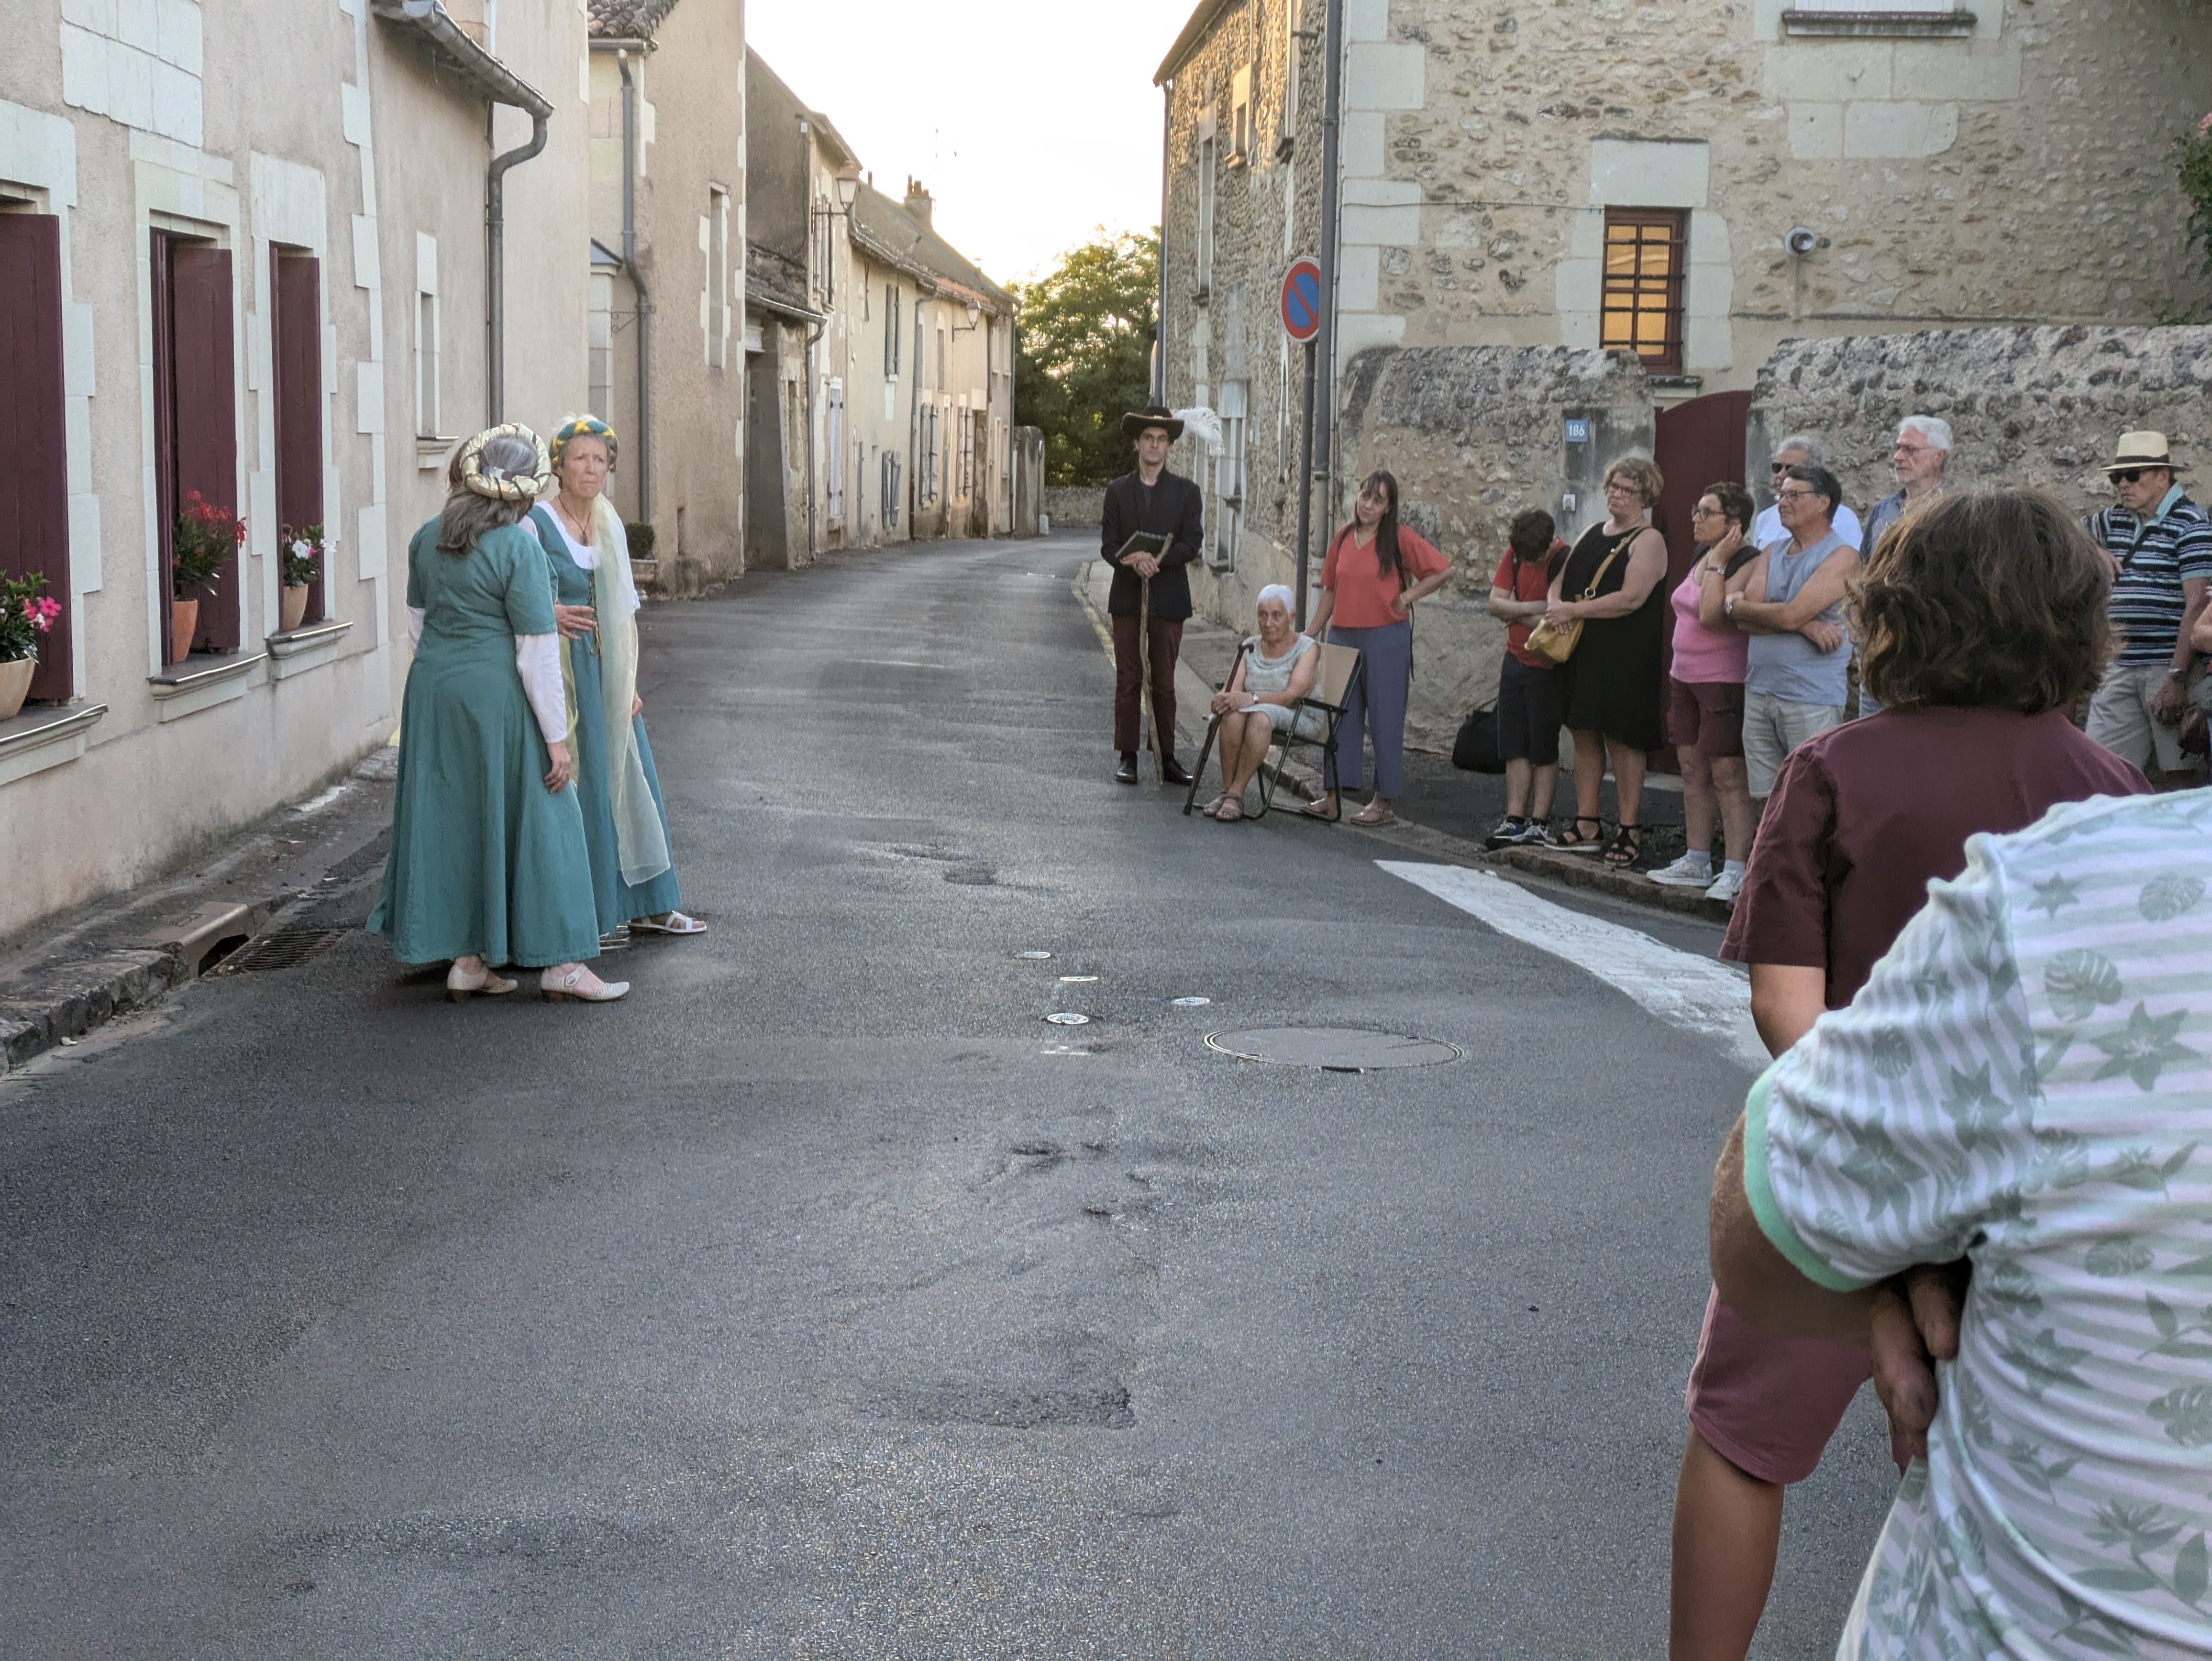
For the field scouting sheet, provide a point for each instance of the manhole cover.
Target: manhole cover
(1331, 1049)
(285, 951)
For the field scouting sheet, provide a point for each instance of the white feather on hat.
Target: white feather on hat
(1203, 424)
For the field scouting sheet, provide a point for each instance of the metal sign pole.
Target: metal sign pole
(1305, 485)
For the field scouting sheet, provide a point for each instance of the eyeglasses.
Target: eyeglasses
(1794, 496)
(1707, 513)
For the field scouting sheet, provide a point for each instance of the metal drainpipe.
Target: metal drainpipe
(1160, 312)
(1325, 364)
(638, 288)
(495, 265)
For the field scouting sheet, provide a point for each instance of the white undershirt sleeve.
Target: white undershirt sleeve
(538, 661)
(415, 624)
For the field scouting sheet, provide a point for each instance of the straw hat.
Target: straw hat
(2141, 450)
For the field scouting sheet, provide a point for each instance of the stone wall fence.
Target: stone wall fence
(1474, 435)
(2041, 405)
(1074, 507)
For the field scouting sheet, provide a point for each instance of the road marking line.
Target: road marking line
(1681, 988)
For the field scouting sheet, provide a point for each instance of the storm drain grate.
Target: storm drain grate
(286, 950)
(1332, 1048)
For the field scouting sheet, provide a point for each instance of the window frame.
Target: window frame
(1638, 287)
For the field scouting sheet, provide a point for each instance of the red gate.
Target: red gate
(1696, 444)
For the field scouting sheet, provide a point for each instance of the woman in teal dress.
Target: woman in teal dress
(625, 822)
(488, 862)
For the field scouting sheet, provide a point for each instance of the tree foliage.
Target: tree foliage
(1086, 357)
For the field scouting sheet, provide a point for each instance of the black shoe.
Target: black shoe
(1126, 772)
(1171, 772)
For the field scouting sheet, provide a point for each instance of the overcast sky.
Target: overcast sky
(1031, 122)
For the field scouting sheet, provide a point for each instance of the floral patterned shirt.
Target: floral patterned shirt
(2026, 1080)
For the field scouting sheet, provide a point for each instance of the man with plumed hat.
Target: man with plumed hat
(1153, 499)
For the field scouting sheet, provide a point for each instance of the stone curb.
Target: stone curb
(87, 993)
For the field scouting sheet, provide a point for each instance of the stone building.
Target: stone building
(881, 359)
(243, 252)
(667, 265)
(1690, 187)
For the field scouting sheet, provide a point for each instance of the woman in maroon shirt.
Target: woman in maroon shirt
(1981, 623)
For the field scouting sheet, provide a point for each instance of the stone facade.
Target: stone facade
(2041, 406)
(1074, 507)
(687, 64)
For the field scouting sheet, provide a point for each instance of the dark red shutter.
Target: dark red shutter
(1695, 444)
(205, 415)
(297, 330)
(34, 463)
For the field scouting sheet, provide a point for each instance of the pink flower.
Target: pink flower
(2205, 127)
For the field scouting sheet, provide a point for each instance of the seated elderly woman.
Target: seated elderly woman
(1275, 669)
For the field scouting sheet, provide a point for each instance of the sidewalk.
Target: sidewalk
(1445, 812)
(274, 890)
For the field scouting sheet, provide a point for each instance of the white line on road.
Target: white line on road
(1681, 988)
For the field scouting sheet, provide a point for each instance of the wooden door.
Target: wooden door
(34, 473)
(1695, 444)
(296, 336)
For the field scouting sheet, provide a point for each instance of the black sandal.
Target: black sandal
(1626, 847)
(1575, 843)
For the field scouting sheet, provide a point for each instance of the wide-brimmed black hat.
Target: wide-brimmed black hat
(1155, 415)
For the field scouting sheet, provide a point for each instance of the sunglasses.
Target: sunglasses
(1781, 467)
(2130, 476)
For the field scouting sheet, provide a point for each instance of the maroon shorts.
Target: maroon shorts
(1768, 1401)
(1705, 716)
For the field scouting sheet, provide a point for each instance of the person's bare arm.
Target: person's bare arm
(1403, 602)
(1231, 697)
(1506, 609)
(1304, 674)
(1317, 625)
(1786, 999)
(1821, 590)
(1757, 1281)
(2171, 702)
(1647, 564)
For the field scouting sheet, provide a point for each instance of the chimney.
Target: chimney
(917, 200)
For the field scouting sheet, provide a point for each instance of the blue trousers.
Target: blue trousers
(1378, 702)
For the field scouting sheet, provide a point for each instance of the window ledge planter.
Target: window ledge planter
(46, 737)
(298, 650)
(181, 690)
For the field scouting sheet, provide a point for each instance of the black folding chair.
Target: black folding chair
(1340, 669)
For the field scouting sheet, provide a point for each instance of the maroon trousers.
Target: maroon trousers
(1128, 670)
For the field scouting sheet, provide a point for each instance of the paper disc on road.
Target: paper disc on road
(1069, 1017)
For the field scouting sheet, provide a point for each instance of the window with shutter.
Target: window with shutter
(196, 413)
(295, 332)
(34, 478)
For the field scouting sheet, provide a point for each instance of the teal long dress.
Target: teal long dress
(485, 860)
(618, 902)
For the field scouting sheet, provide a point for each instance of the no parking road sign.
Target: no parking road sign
(1302, 300)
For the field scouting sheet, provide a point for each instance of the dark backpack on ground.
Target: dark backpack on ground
(1475, 750)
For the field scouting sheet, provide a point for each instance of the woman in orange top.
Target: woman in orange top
(1375, 572)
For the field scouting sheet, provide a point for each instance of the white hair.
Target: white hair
(1276, 591)
(1934, 428)
(1815, 452)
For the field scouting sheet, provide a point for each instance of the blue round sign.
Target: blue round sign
(1302, 300)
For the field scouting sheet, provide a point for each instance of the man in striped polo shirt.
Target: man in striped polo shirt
(2160, 544)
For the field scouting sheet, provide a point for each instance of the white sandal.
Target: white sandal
(678, 923)
(461, 986)
(580, 984)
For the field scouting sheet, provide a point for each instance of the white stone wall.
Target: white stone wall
(136, 62)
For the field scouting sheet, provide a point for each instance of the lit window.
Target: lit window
(1643, 303)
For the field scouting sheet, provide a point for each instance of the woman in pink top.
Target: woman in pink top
(1705, 696)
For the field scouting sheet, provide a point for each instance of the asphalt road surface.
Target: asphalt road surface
(822, 1299)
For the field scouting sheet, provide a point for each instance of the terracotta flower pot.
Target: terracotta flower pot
(292, 605)
(14, 682)
(183, 619)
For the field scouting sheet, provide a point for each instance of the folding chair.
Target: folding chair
(1341, 668)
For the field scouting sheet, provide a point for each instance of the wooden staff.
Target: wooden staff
(1145, 670)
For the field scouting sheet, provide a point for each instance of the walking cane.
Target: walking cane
(1144, 669)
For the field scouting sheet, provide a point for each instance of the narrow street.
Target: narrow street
(822, 1299)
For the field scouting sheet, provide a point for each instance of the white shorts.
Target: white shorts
(1774, 726)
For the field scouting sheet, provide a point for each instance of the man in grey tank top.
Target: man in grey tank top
(1793, 610)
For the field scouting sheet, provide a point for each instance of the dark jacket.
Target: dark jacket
(1177, 513)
